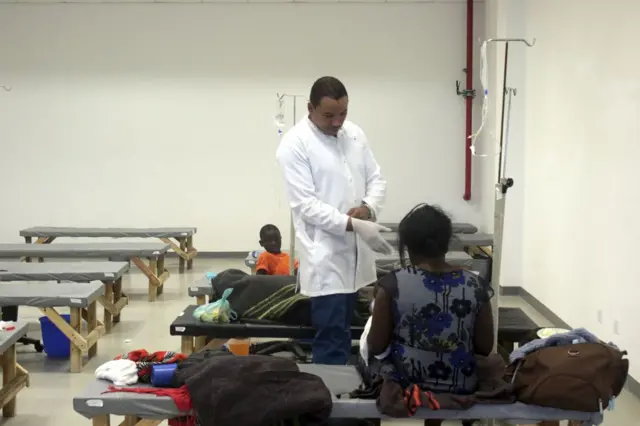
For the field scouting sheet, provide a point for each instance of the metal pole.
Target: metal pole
(502, 185)
(292, 230)
(504, 94)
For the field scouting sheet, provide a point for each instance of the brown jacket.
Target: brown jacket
(255, 390)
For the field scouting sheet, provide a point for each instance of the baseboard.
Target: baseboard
(632, 385)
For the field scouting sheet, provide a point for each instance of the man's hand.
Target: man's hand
(370, 234)
(361, 212)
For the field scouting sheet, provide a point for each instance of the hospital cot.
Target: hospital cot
(135, 252)
(201, 288)
(457, 258)
(149, 410)
(457, 227)
(109, 273)
(14, 377)
(514, 326)
(471, 243)
(183, 236)
(81, 300)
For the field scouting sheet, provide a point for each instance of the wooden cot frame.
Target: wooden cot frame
(81, 343)
(105, 420)
(113, 300)
(14, 379)
(182, 246)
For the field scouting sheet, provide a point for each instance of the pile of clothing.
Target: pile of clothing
(135, 366)
(217, 388)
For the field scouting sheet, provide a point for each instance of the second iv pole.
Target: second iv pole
(503, 183)
(280, 123)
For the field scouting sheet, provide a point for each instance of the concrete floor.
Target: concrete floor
(146, 325)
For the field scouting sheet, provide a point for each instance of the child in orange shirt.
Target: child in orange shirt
(273, 261)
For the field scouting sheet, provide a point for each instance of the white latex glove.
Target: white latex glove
(370, 234)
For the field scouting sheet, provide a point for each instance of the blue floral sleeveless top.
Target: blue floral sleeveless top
(434, 320)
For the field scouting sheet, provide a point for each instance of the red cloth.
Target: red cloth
(183, 421)
(145, 361)
(180, 396)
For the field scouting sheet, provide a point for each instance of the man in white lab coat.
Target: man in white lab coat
(336, 191)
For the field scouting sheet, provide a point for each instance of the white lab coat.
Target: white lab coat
(326, 176)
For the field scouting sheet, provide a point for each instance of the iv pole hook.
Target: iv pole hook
(507, 40)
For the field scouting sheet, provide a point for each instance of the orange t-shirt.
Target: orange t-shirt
(274, 264)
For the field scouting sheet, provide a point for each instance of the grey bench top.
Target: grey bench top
(457, 258)
(458, 242)
(99, 250)
(62, 271)
(8, 338)
(458, 228)
(462, 240)
(61, 231)
(339, 380)
(50, 294)
(201, 287)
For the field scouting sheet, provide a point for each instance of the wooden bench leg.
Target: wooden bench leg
(79, 343)
(153, 290)
(92, 324)
(104, 420)
(130, 421)
(76, 352)
(150, 271)
(137, 421)
(200, 343)
(44, 240)
(189, 252)
(112, 302)
(117, 296)
(9, 371)
(108, 296)
(201, 300)
(183, 248)
(187, 345)
(160, 268)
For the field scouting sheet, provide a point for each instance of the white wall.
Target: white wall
(162, 114)
(581, 165)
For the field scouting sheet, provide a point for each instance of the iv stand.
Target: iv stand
(292, 229)
(502, 185)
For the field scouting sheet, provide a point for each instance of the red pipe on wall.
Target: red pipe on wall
(468, 104)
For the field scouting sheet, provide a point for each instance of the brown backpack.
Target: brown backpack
(580, 377)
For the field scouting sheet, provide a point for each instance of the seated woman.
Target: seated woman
(432, 317)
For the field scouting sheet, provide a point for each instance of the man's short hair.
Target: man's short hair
(326, 87)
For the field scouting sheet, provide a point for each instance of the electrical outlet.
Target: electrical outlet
(600, 316)
(616, 331)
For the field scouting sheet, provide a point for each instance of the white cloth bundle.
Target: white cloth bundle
(121, 372)
(364, 346)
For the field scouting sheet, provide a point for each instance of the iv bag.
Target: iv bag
(278, 119)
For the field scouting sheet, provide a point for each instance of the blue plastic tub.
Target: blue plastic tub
(56, 344)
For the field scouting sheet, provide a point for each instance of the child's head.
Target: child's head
(270, 238)
(425, 233)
